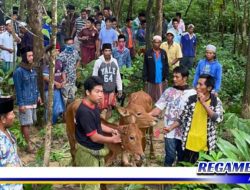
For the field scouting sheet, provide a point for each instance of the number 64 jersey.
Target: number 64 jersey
(109, 72)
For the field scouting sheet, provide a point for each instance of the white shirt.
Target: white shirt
(173, 100)
(6, 40)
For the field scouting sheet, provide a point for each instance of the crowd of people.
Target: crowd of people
(191, 112)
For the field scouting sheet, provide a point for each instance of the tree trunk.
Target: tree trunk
(22, 9)
(189, 5)
(51, 86)
(209, 17)
(103, 4)
(246, 98)
(130, 9)
(158, 17)
(14, 45)
(2, 21)
(35, 22)
(222, 21)
(149, 24)
(245, 27)
(116, 8)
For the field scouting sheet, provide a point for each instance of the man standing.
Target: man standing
(88, 37)
(201, 113)
(176, 31)
(121, 53)
(172, 49)
(71, 60)
(89, 130)
(58, 103)
(188, 46)
(8, 45)
(211, 66)
(173, 100)
(129, 36)
(155, 69)
(79, 25)
(8, 145)
(181, 24)
(137, 22)
(25, 81)
(107, 34)
(106, 67)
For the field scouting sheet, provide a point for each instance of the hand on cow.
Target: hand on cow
(116, 138)
(114, 132)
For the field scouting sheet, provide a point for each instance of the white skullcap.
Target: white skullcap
(190, 26)
(170, 32)
(157, 37)
(8, 22)
(211, 48)
(22, 24)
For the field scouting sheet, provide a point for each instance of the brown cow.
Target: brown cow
(130, 134)
(139, 105)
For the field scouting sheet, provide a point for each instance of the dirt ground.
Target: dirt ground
(64, 159)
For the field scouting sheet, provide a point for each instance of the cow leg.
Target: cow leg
(144, 139)
(152, 153)
(110, 158)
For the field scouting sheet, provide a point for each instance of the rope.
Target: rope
(19, 23)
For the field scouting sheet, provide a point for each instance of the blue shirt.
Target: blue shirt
(123, 58)
(108, 36)
(213, 68)
(158, 69)
(188, 45)
(141, 34)
(177, 35)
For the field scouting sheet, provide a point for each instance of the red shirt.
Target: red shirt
(92, 37)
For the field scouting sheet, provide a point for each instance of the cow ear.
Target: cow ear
(133, 119)
(123, 111)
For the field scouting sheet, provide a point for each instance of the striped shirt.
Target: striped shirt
(79, 24)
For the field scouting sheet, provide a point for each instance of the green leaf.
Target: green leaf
(228, 149)
(241, 145)
(1, 73)
(11, 82)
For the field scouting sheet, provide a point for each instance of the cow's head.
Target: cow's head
(136, 114)
(131, 137)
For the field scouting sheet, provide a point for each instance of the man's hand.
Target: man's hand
(201, 98)
(10, 50)
(22, 109)
(116, 138)
(114, 132)
(97, 53)
(167, 129)
(58, 85)
(39, 101)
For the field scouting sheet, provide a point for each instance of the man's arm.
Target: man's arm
(73, 31)
(213, 115)
(171, 127)
(16, 38)
(175, 61)
(7, 49)
(97, 138)
(97, 45)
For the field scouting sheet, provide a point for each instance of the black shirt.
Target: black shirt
(88, 122)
